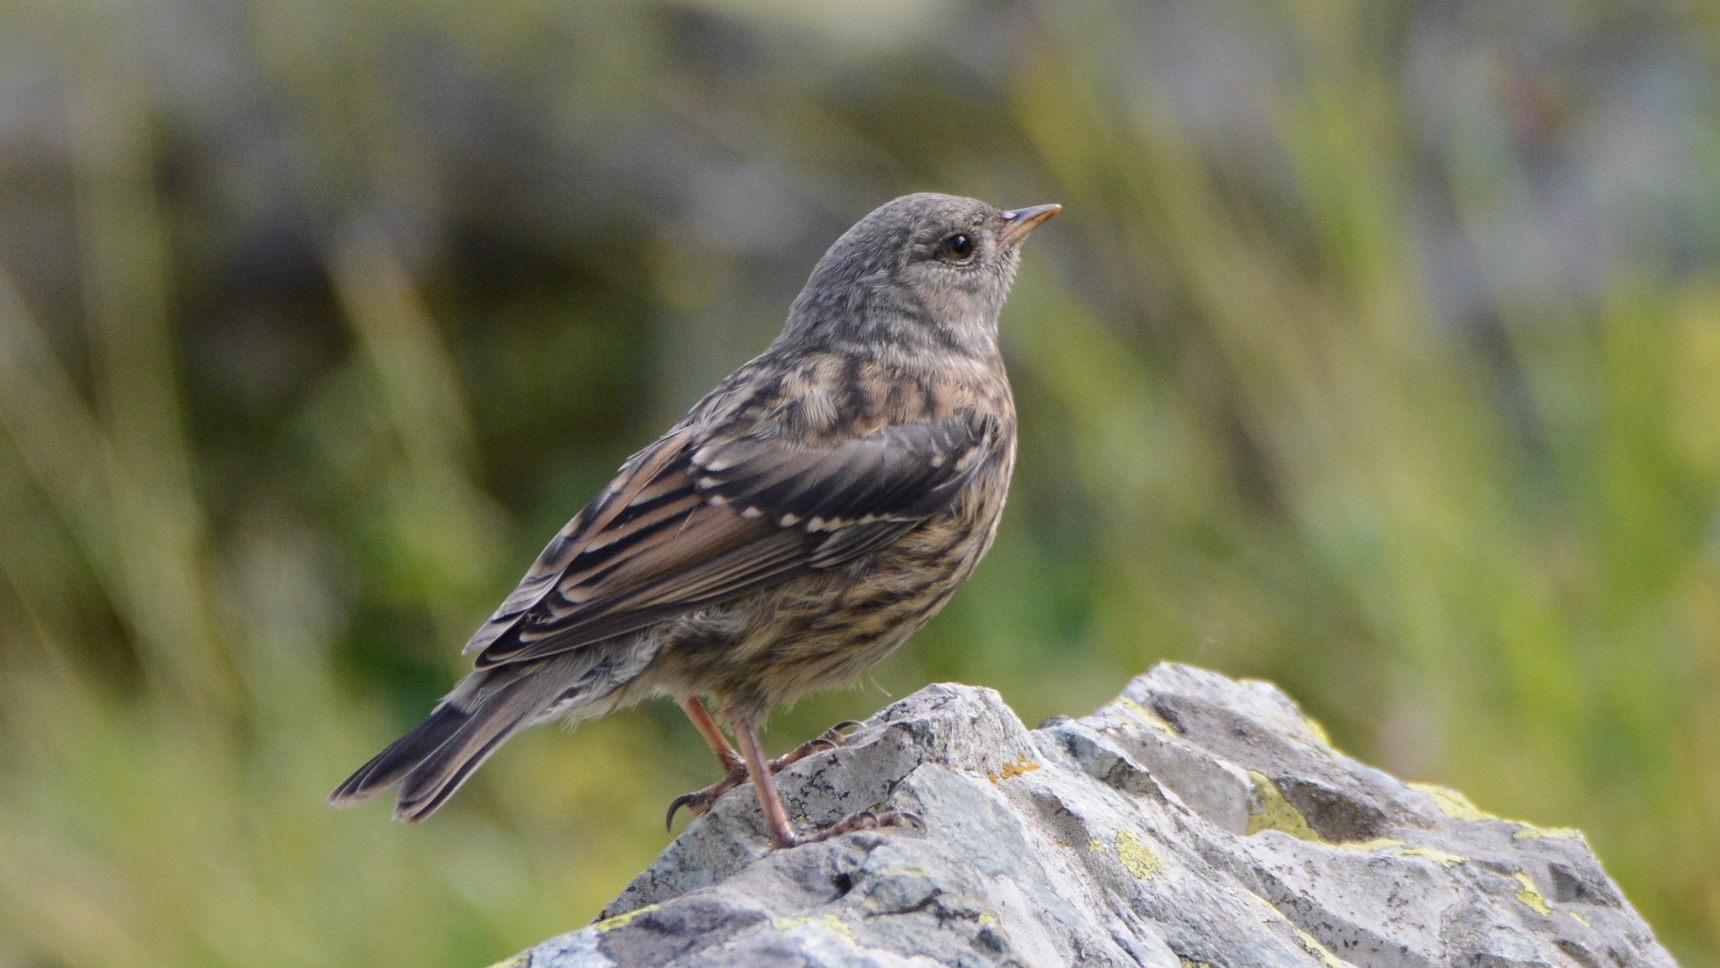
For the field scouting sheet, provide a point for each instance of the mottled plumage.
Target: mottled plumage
(803, 519)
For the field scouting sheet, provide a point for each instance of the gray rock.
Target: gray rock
(1193, 821)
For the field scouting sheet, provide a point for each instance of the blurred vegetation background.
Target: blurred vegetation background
(1377, 352)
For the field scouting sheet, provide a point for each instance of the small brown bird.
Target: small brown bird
(799, 523)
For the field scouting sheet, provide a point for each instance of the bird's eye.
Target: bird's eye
(958, 247)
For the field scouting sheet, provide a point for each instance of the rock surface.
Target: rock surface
(1193, 821)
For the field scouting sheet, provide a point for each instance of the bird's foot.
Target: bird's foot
(828, 740)
(700, 801)
(864, 820)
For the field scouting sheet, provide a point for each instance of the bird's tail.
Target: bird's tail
(433, 759)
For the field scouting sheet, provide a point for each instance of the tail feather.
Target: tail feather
(401, 757)
(425, 790)
(432, 760)
(502, 714)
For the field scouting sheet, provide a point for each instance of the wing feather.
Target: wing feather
(686, 525)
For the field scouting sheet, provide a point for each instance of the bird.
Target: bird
(803, 519)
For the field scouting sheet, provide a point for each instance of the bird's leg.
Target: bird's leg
(727, 758)
(782, 834)
(735, 768)
(775, 817)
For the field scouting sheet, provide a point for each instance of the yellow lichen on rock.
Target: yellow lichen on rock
(620, 920)
(1445, 859)
(1010, 771)
(1141, 860)
(1140, 712)
(1319, 731)
(1378, 843)
(1452, 803)
(1531, 832)
(1278, 813)
(1457, 806)
(1531, 895)
(1318, 950)
(828, 922)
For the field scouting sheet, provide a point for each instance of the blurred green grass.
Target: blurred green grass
(1252, 438)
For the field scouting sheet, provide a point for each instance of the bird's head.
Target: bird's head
(921, 270)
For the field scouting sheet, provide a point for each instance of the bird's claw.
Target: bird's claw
(684, 800)
(866, 820)
(700, 801)
(838, 734)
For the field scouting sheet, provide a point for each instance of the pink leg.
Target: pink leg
(727, 758)
(734, 768)
(775, 817)
(782, 833)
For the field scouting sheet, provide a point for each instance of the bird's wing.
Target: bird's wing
(685, 526)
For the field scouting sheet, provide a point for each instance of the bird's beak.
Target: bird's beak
(1017, 223)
